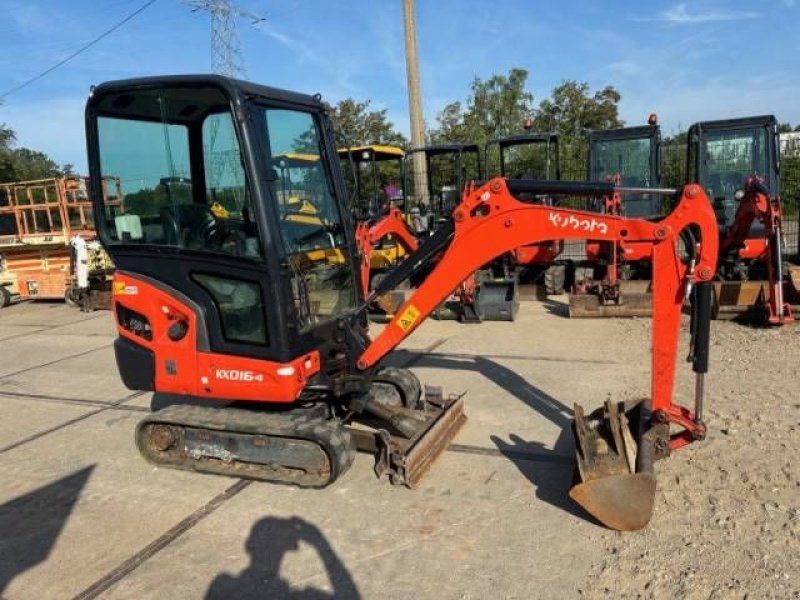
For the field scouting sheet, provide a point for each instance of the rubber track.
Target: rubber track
(335, 439)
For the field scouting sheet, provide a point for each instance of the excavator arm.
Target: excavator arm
(369, 235)
(392, 223)
(755, 203)
(618, 485)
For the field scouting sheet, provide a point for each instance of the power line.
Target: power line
(78, 51)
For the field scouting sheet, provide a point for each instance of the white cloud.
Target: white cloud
(680, 14)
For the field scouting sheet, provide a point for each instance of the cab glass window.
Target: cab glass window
(311, 224)
(178, 164)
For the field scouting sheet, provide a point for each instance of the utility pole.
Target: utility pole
(415, 102)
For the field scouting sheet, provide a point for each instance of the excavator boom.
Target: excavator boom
(491, 221)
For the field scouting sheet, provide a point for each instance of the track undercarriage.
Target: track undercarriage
(310, 446)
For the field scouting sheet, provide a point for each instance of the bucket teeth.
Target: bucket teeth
(616, 484)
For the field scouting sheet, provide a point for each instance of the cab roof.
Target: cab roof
(379, 152)
(235, 88)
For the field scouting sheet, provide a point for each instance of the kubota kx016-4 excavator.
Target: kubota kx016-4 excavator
(617, 284)
(737, 162)
(263, 315)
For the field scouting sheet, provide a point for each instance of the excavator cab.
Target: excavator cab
(633, 153)
(524, 156)
(737, 162)
(449, 168)
(531, 156)
(616, 282)
(269, 275)
(721, 155)
(377, 177)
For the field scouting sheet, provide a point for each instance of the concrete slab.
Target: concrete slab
(43, 314)
(35, 350)
(89, 371)
(23, 418)
(78, 502)
(451, 535)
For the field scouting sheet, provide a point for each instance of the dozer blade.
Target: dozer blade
(615, 482)
(635, 300)
(742, 300)
(407, 458)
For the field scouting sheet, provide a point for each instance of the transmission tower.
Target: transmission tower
(226, 59)
(226, 50)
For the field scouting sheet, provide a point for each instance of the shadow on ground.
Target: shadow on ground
(550, 471)
(31, 524)
(270, 539)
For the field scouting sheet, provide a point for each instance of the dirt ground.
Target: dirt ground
(727, 521)
(83, 516)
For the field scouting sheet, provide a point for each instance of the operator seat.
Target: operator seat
(189, 225)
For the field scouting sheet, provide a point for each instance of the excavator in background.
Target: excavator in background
(483, 295)
(373, 179)
(449, 168)
(615, 279)
(737, 162)
(251, 329)
(530, 156)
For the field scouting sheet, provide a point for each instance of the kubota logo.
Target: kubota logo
(573, 222)
(237, 375)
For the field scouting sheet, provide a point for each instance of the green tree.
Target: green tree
(496, 106)
(20, 164)
(362, 126)
(573, 109)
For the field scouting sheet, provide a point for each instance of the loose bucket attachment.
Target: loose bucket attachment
(615, 482)
(497, 300)
(739, 300)
(794, 284)
(632, 298)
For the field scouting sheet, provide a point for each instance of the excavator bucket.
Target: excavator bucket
(635, 299)
(614, 478)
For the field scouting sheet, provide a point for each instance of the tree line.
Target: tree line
(24, 164)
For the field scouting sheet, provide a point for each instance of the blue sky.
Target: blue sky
(687, 61)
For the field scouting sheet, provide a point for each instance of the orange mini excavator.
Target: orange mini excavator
(251, 327)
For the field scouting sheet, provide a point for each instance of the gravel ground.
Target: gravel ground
(727, 522)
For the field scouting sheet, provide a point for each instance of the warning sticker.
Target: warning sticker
(408, 318)
(120, 288)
